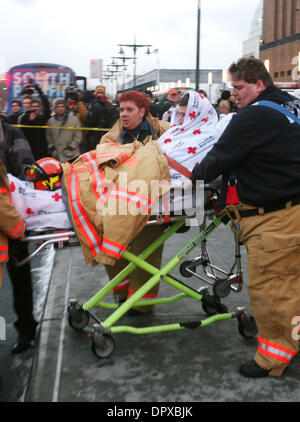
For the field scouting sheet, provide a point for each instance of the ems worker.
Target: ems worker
(261, 146)
(15, 152)
(136, 124)
(11, 223)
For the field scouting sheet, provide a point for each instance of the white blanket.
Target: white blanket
(41, 210)
(190, 142)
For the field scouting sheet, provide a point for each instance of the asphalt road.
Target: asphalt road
(198, 365)
(193, 365)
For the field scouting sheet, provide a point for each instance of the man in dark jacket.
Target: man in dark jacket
(155, 108)
(261, 148)
(170, 105)
(35, 117)
(15, 152)
(100, 115)
(16, 112)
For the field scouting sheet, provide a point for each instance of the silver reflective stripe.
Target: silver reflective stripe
(138, 199)
(133, 197)
(112, 248)
(276, 351)
(18, 231)
(123, 282)
(99, 189)
(80, 216)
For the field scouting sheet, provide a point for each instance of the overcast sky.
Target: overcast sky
(72, 32)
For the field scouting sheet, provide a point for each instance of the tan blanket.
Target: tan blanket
(111, 193)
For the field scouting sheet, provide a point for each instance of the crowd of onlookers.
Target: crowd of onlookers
(88, 113)
(47, 126)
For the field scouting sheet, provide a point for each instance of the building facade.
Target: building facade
(161, 80)
(280, 44)
(252, 45)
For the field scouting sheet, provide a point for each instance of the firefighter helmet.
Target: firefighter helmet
(46, 174)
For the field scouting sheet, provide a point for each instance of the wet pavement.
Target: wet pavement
(188, 366)
(16, 369)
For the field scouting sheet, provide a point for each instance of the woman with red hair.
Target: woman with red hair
(136, 124)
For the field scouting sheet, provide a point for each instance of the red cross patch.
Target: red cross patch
(168, 140)
(197, 132)
(192, 150)
(205, 120)
(12, 187)
(29, 212)
(193, 115)
(56, 197)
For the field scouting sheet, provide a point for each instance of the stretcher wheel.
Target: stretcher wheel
(221, 289)
(212, 305)
(209, 309)
(247, 326)
(103, 345)
(183, 269)
(78, 319)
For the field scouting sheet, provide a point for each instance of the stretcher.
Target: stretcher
(218, 283)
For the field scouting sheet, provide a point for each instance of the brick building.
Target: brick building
(280, 42)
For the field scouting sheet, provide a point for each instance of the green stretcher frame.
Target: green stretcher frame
(156, 276)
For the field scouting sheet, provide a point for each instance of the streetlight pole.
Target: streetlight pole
(123, 58)
(116, 66)
(112, 75)
(135, 46)
(198, 45)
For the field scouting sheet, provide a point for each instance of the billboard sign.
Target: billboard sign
(96, 69)
(52, 79)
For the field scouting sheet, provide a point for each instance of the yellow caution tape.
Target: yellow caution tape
(64, 128)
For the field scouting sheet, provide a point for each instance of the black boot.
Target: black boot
(253, 370)
(23, 343)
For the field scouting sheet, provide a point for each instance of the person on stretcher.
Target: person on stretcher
(192, 133)
(194, 129)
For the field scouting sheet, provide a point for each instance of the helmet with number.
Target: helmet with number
(46, 174)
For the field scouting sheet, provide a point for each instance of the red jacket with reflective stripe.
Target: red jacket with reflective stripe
(11, 223)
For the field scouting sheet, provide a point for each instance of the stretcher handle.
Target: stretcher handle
(54, 236)
(19, 264)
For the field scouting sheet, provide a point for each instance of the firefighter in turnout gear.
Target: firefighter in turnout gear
(261, 147)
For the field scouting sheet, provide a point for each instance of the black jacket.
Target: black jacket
(140, 133)
(14, 150)
(37, 136)
(13, 118)
(100, 115)
(156, 110)
(262, 146)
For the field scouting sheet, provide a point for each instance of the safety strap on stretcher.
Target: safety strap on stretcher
(178, 167)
